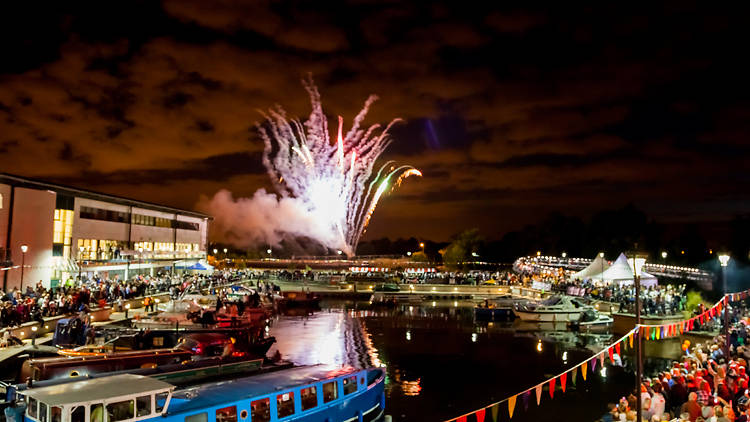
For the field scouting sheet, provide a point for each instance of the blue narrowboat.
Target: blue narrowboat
(316, 393)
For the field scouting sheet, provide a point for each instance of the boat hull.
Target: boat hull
(549, 316)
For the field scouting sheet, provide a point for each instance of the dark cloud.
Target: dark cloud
(511, 111)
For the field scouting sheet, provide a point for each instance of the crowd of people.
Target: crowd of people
(80, 294)
(703, 386)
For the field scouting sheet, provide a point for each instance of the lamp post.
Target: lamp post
(80, 262)
(724, 261)
(140, 262)
(225, 253)
(24, 248)
(269, 251)
(638, 261)
(601, 255)
(664, 255)
(33, 335)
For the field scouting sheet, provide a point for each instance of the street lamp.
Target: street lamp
(638, 261)
(140, 261)
(408, 253)
(24, 248)
(724, 261)
(215, 251)
(564, 254)
(80, 261)
(664, 255)
(33, 335)
(269, 251)
(601, 255)
(225, 251)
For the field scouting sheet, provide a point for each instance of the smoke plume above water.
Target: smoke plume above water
(326, 191)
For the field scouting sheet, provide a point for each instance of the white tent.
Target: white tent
(621, 273)
(596, 267)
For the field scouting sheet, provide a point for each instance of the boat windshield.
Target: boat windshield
(554, 300)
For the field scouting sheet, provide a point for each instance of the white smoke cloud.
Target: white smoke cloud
(263, 219)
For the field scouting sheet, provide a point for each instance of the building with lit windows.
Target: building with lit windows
(51, 233)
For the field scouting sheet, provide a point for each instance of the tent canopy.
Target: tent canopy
(621, 273)
(198, 266)
(596, 267)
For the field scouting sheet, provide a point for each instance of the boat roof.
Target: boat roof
(97, 389)
(206, 395)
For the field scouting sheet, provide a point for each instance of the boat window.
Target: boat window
(199, 417)
(95, 412)
(243, 414)
(260, 410)
(142, 406)
(330, 392)
(226, 414)
(120, 411)
(161, 400)
(31, 409)
(78, 414)
(285, 404)
(42, 412)
(350, 385)
(309, 397)
(55, 414)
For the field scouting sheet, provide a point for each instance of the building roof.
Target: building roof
(82, 193)
(97, 389)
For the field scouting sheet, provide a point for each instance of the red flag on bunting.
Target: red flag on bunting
(461, 419)
(611, 353)
(617, 348)
(480, 415)
(563, 379)
(511, 406)
(552, 387)
(682, 327)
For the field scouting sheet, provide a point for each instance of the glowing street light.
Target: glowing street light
(724, 261)
(564, 254)
(339, 252)
(225, 251)
(24, 248)
(216, 251)
(269, 251)
(664, 255)
(408, 253)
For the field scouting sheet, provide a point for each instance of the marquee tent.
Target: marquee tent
(595, 268)
(621, 273)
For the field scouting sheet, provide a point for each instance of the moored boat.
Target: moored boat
(553, 309)
(315, 393)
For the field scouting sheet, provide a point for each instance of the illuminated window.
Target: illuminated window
(62, 232)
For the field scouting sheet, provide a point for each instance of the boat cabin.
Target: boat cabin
(119, 398)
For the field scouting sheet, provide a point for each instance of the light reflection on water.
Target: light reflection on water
(440, 362)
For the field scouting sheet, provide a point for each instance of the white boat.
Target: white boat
(553, 309)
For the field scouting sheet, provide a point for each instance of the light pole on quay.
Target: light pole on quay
(724, 261)
(24, 248)
(140, 260)
(638, 261)
(601, 255)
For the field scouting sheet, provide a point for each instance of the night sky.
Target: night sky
(510, 113)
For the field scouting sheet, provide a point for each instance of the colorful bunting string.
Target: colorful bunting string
(652, 332)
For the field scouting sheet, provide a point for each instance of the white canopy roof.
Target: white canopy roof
(97, 389)
(596, 267)
(621, 273)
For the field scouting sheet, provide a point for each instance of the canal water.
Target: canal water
(442, 363)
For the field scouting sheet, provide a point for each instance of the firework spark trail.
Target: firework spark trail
(332, 180)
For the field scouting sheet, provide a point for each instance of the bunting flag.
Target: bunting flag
(630, 339)
(583, 371)
(525, 397)
(563, 379)
(658, 332)
(593, 364)
(653, 333)
(611, 355)
(601, 359)
(552, 387)
(617, 349)
(574, 373)
(538, 391)
(461, 419)
(682, 327)
(495, 409)
(511, 406)
(480, 415)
